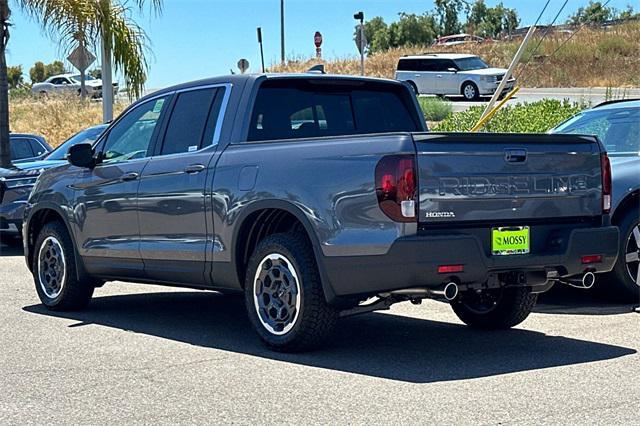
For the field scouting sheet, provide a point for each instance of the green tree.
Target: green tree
(593, 13)
(39, 72)
(377, 33)
(492, 21)
(628, 13)
(412, 30)
(96, 73)
(448, 12)
(14, 76)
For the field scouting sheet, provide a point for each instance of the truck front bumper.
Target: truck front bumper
(413, 262)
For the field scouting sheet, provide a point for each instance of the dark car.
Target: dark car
(319, 197)
(617, 124)
(27, 147)
(16, 183)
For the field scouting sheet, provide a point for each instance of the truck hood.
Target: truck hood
(33, 168)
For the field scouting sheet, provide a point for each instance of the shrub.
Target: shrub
(536, 117)
(435, 109)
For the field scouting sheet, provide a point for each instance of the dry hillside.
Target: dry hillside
(591, 58)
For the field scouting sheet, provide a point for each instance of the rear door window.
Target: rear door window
(37, 147)
(292, 110)
(192, 121)
(21, 149)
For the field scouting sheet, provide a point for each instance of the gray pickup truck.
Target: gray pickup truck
(319, 197)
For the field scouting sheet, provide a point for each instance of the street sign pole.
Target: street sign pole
(260, 43)
(282, 58)
(360, 39)
(81, 58)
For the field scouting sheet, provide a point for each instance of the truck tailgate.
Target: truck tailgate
(502, 178)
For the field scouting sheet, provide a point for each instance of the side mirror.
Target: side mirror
(452, 70)
(81, 155)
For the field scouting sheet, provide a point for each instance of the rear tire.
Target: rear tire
(623, 283)
(498, 309)
(284, 297)
(414, 87)
(54, 271)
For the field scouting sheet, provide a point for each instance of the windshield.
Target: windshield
(84, 136)
(470, 64)
(87, 77)
(618, 129)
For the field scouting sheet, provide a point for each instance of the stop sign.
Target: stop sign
(317, 39)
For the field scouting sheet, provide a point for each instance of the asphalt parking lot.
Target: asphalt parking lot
(145, 354)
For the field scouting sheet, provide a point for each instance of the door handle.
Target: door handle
(130, 176)
(194, 168)
(515, 155)
(417, 75)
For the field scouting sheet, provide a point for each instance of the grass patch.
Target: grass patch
(55, 118)
(435, 109)
(535, 117)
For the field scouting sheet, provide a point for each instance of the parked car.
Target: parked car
(319, 197)
(70, 84)
(16, 183)
(457, 39)
(617, 124)
(451, 74)
(27, 147)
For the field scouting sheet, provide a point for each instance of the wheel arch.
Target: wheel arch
(464, 83)
(38, 218)
(627, 203)
(267, 217)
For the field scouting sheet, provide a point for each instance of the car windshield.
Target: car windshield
(87, 77)
(618, 129)
(84, 136)
(470, 64)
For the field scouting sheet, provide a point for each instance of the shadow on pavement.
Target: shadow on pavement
(10, 246)
(379, 345)
(573, 301)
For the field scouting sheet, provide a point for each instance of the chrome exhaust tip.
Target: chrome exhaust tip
(451, 291)
(588, 280)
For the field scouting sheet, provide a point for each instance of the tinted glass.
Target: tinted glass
(84, 136)
(618, 129)
(329, 110)
(20, 149)
(470, 64)
(188, 121)
(37, 147)
(130, 137)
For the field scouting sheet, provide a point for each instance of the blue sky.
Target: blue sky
(199, 38)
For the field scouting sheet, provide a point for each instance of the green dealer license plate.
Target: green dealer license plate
(510, 240)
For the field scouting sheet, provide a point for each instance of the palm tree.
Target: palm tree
(5, 148)
(103, 24)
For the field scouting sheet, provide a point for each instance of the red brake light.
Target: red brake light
(450, 269)
(396, 187)
(592, 258)
(605, 165)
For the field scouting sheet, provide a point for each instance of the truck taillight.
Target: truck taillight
(605, 165)
(396, 187)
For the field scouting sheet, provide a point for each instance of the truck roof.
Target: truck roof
(241, 79)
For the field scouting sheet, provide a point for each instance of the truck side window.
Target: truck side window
(195, 113)
(130, 137)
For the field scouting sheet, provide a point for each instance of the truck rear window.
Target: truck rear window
(289, 109)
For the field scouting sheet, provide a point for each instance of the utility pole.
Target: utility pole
(107, 77)
(259, 31)
(361, 42)
(5, 147)
(282, 53)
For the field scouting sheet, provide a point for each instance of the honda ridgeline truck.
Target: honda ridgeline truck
(319, 197)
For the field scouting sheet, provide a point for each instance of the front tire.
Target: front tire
(284, 297)
(54, 271)
(497, 309)
(625, 277)
(470, 91)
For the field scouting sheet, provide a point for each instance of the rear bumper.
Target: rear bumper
(413, 262)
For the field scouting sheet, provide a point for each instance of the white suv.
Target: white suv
(451, 74)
